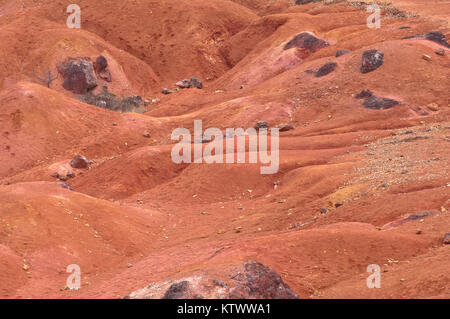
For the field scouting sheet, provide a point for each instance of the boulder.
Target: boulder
(371, 60)
(78, 75)
(79, 161)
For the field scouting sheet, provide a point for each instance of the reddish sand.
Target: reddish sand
(135, 217)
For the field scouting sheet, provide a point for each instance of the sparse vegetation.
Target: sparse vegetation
(46, 78)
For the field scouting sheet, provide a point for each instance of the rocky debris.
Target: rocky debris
(440, 52)
(426, 57)
(196, 83)
(434, 36)
(364, 94)
(260, 125)
(325, 69)
(78, 74)
(79, 161)
(379, 103)
(342, 52)
(447, 239)
(285, 127)
(306, 41)
(100, 66)
(371, 60)
(251, 280)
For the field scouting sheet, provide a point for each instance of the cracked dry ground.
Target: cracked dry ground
(356, 186)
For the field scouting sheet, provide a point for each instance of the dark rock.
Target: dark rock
(79, 161)
(363, 94)
(310, 71)
(379, 103)
(70, 174)
(341, 52)
(404, 27)
(78, 74)
(447, 239)
(338, 204)
(178, 290)
(196, 83)
(260, 282)
(437, 37)
(184, 84)
(325, 69)
(323, 210)
(260, 125)
(371, 60)
(285, 127)
(306, 41)
(166, 91)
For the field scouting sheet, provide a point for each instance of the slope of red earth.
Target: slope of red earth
(355, 186)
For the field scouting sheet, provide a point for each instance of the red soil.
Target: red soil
(135, 217)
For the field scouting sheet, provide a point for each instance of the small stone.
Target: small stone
(447, 239)
(426, 57)
(440, 51)
(166, 91)
(25, 267)
(70, 174)
(379, 103)
(418, 232)
(260, 125)
(130, 265)
(338, 204)
(146, 134)
(433, 107)
(323, 211)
